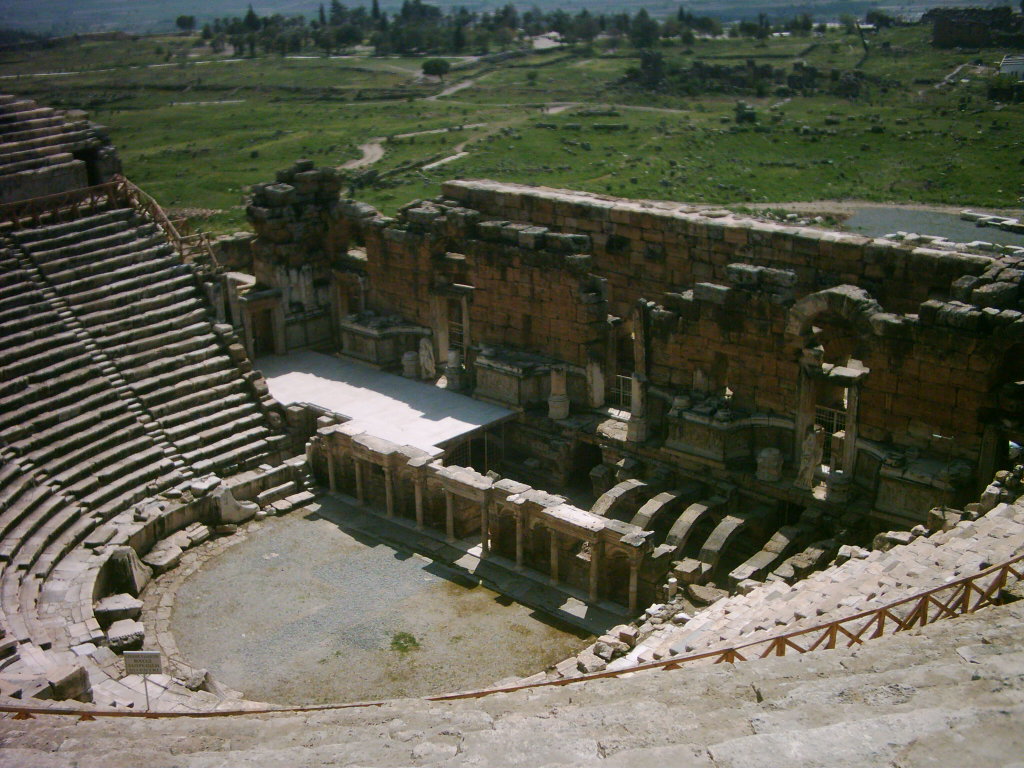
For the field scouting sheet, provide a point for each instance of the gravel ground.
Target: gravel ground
(305, 612)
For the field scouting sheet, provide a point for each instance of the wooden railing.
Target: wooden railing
(68, 206)
(948, 601)
(63, 206)
(193, 246)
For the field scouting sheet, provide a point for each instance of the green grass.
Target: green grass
(404, 642)
(948, 146)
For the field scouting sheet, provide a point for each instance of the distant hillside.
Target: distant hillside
(61, 17)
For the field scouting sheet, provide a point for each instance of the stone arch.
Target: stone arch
(846, 303)
(701, 512)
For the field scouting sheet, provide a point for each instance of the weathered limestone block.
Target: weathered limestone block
(117, 607)
(588, 662)
(60, 683)
(1002, 295)
(889, 539)
(278, 195)
(231, 510)
(126, 635)
(163, 557)
(129, 573)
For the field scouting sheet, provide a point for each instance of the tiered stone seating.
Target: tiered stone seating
(949, 695)
(73, 453)
(865, 582)
(37, 145)
(139, 302)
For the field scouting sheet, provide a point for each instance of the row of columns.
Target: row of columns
(419, 483)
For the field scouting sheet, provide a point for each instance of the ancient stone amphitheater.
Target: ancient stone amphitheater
(739, 410)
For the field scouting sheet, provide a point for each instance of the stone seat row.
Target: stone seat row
(38, 128)
(58, 135)
(40, 159)
(139, 305)
(869, 580)
(49, 252)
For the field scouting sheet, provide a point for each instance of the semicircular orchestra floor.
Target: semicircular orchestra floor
(307, 609)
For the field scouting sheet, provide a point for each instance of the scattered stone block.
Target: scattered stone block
(163, 557)
(126, 635)
(117, 607)
(703, 595)
(128, 572)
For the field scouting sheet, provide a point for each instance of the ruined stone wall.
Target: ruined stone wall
(523, 288)
(644, 248)
(925, 379)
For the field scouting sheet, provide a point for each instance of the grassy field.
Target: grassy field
(195, 129)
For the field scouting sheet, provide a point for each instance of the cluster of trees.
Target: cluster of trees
(418, 27)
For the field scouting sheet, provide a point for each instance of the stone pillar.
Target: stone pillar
(485, 526)
(636, 428)
(595, 384)
(464, 306)
(520, 524)
(596, 552)
(850, 443)
(280, 339)
(358, 468)
(558, 402)
(332, 478)
(449, 514)
(418, 491)
(634, 576)
(411, 365)
(554, 555)
(453, 370)
(389, 494)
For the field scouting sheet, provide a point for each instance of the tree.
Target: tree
(436, 67)
(322, 16)
(186, 23)
(880, 19)
(643, 31)
(251, 20)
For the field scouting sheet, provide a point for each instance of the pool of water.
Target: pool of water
(881, 220)
(305, 611)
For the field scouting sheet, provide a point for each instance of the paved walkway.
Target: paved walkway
(390, 407)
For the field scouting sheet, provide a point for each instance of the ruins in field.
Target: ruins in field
(717, 429)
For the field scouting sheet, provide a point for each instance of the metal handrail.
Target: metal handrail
(966, 595)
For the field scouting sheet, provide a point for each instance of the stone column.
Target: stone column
(634, 576)
(332, 478)
(636, 428)
(554, 555)
(449, 514)
(520, 524)
(596, 552)
(280, 338)
(595, 384)
(411, 365)
(389, 494)
(358, 468)
(558, 402)
(850, 443)
(418, 491)
(485, 526)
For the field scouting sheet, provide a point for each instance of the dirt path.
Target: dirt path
(373, 150)
(455, 88)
